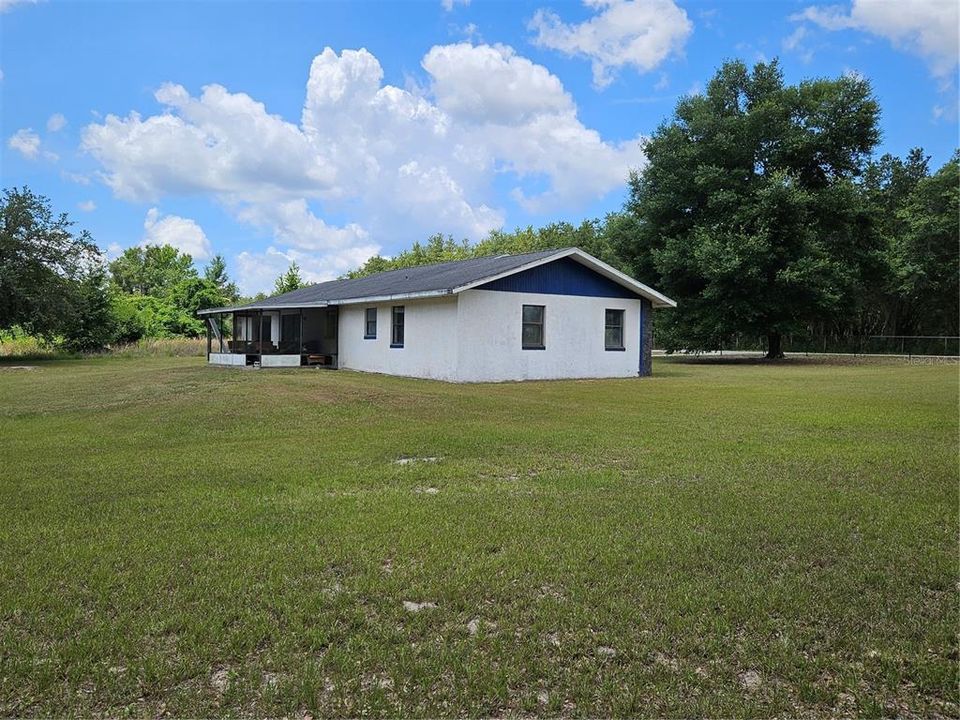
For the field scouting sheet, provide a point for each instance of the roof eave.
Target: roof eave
(327, 303)
(398, 296)
(243, 308)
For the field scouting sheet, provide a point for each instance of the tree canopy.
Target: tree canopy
(747, 210)
(915, 216)
(290, 280)
(46, 268)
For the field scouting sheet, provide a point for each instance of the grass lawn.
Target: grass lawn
(735, 540)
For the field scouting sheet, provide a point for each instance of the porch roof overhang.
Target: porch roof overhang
(328, 303)
(250, 308)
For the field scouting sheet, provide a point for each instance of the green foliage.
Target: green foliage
(54, 286)
(747, 211)
(216, 273)
(925, 262)
(91, 324)
(129, 324)
(46, 269)
(171, 315)
(157, 292)
(151, 269)
(915, 216)
(289, 281)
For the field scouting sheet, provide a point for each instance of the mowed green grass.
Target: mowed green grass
(732, 540)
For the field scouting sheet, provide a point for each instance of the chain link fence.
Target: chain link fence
(906, 345)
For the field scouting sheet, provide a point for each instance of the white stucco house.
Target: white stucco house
(544, 315)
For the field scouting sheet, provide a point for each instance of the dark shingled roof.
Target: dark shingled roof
(425, 278)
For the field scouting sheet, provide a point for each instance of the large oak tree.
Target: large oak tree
(748, 212)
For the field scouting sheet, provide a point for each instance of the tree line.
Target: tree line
(762, 210)
(56, 285)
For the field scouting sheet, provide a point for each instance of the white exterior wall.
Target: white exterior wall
(430, 339)
(490, 347)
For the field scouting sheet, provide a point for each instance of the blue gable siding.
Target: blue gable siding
(560, 277)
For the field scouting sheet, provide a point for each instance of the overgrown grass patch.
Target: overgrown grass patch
(736, 540)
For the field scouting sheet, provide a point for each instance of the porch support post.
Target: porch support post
(209, 319)
(300, 336)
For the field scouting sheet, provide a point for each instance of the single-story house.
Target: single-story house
(542, 315)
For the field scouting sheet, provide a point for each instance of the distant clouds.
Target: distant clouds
(928, 28)
(7, 5)
(26, 142)
(56, 122)
(376, 156)
(637, 33)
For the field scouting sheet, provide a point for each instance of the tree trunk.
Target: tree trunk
(774, 347)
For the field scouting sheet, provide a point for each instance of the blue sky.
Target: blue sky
(325, 132)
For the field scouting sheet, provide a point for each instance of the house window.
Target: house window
(533, 327)
(613, 330)
(370, 329)
(396, 327)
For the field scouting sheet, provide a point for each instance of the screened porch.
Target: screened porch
(288, 337)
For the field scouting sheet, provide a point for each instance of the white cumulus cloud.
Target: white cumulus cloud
(87, 205)
(448, 4)
(493, 84)
(928, 28)
(391, 164)
(56, 122)
(183, 233)
(26, 142)
(637, 33)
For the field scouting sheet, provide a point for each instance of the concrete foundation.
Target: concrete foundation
(227, 359)
(280, 361)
